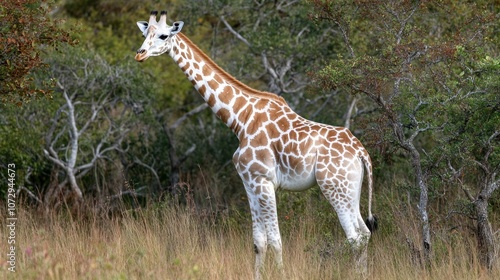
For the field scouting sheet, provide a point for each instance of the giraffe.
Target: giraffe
(278, 149)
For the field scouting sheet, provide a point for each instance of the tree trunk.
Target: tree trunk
(422, 204)
(485, 239)
(74, 186)
(73, 154)
(407, 144)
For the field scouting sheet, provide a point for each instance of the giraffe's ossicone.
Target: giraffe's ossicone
(278, 148)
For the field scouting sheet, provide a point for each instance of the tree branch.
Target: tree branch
(238, 35)
(157, 178)
(194, 111)
(347, 123)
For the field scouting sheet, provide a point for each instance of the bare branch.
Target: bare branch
(157, 178)
(48, 137)
(328, 98)
(402, 22)
(187, 153)
(54, 159)
(30, 193)
(23, 188)
(349, 113)
(467, 193)
(95, 112)
(489, 146)
(133, 192)
(238, 35)
(300, 34)
(284, 4)
(194, 111)
(453, 212)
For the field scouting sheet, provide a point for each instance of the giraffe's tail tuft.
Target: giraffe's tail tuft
(372, 223)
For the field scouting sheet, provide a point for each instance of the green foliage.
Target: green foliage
(434, 81)
(118, 95)
(26, 30)
(280, 33)
(21, 140)
(412, 76)
(109, 28)
(474, 116)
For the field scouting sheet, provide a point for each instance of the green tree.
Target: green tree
(471, 140)
(95, 111)
(403, 56)
(26, 29)
(270, 45)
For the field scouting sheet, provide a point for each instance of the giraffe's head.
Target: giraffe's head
(158, 36)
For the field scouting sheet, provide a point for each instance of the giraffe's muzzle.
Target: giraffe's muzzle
(141, 55)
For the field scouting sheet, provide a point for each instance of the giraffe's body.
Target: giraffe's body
(278, 148)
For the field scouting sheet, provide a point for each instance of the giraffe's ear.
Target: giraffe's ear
(143, 25)
(176, 28)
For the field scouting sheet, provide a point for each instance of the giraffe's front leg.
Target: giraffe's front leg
(258, 232)
(259, 245)
(270, 215)
(265, 225)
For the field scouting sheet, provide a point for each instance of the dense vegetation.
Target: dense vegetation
(92, 131)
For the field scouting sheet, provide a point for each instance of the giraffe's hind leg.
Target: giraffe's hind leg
(343, 193)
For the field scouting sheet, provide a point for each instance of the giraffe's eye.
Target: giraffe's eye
(163, 37)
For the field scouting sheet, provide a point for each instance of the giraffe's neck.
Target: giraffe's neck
(232, 101)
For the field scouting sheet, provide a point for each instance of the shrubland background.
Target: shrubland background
(125, 157)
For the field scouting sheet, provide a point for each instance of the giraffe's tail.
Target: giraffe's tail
(371, 221)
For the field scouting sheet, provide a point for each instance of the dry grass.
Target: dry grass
(175, 244)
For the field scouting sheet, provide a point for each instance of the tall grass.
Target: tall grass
(169, 242)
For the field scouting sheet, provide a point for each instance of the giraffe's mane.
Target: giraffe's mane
(226, 76)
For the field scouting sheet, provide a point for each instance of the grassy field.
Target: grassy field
(168, 243)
